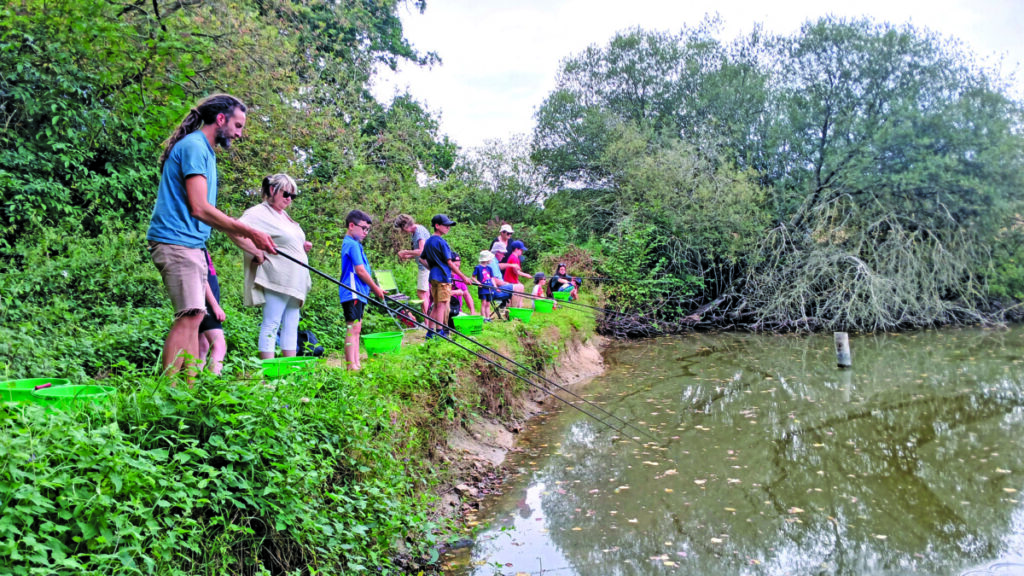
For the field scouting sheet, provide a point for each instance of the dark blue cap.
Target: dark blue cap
(443, 220)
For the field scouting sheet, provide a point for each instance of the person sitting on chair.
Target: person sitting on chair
(539, 287)
(562, 282)
(505, 293)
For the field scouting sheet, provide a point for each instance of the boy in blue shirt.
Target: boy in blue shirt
(357, 280)
(437, 256)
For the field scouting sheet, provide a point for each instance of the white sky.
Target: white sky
(500, 58)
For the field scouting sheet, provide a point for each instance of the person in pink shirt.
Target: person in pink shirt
(460, 292)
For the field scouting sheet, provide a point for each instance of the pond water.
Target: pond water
(771, 460)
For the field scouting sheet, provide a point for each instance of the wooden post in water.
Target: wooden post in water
(843, 359)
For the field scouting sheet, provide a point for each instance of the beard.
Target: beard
(222, 139)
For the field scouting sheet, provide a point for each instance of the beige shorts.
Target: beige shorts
(440, 292)
(184, 273)
(423, 280)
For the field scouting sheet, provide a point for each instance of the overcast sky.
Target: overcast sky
(501, 57)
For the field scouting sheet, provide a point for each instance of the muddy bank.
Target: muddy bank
(475, 452)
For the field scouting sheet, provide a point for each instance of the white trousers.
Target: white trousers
(279, 312)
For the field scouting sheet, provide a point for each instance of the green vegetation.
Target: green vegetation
(239, 475)
(853, 175)
(330, 471)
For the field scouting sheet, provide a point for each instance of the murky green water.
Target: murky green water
(773, 461)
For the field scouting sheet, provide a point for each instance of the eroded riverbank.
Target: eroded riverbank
(477, 451)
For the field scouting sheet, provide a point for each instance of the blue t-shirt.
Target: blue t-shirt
(352, 255)
(171, 222)
(437, 254)
(496, 272)
(483, 276)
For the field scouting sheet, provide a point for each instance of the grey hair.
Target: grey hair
(276, 182)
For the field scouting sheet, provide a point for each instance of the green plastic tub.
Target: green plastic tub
(382, 342)
(469, 324)
(281, 367)
(523, 314)
(74, 396)
(21, 390)
(543, 306)
(563, 296)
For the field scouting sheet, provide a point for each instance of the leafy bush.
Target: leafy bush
(237, 477)
(640, 258)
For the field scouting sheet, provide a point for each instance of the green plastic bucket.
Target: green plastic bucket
(563, 296)
(543, 306)
(382, 342)
(281, 367)
(71, 396)
(469, 324)
(523, 314)
(21, 390)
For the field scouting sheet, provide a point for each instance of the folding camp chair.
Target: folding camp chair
(499, 308)
(386, 281)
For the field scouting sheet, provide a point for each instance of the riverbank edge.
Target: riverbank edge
(474, 453)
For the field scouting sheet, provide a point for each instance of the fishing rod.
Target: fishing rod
(604, 279)
(529, 382)
(525, 369)
(533, 297)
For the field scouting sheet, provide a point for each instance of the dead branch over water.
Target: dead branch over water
(889, 273)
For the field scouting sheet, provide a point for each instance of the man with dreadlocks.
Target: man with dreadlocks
(186, 211)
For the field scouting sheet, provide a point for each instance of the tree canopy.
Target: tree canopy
(884, 165)
(90, 88)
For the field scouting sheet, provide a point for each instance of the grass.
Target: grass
(329, 471)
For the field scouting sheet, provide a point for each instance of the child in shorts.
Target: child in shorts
(211, 329)
(357, 280)
(482, 274)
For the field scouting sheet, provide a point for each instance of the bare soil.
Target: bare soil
(475, 452)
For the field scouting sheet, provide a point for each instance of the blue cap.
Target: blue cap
(442, 219)
(517, 245)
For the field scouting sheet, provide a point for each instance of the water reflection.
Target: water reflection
(775, 462)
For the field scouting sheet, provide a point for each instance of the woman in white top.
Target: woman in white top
(271, 280)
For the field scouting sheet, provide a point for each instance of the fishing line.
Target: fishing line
(492, 362)
(600, 278)
(562, 302)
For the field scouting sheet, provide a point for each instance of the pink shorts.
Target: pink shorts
(184, 272)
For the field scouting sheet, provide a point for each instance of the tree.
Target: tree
(509, 186)
(900, 163)
(89, 89)
(685, 86)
